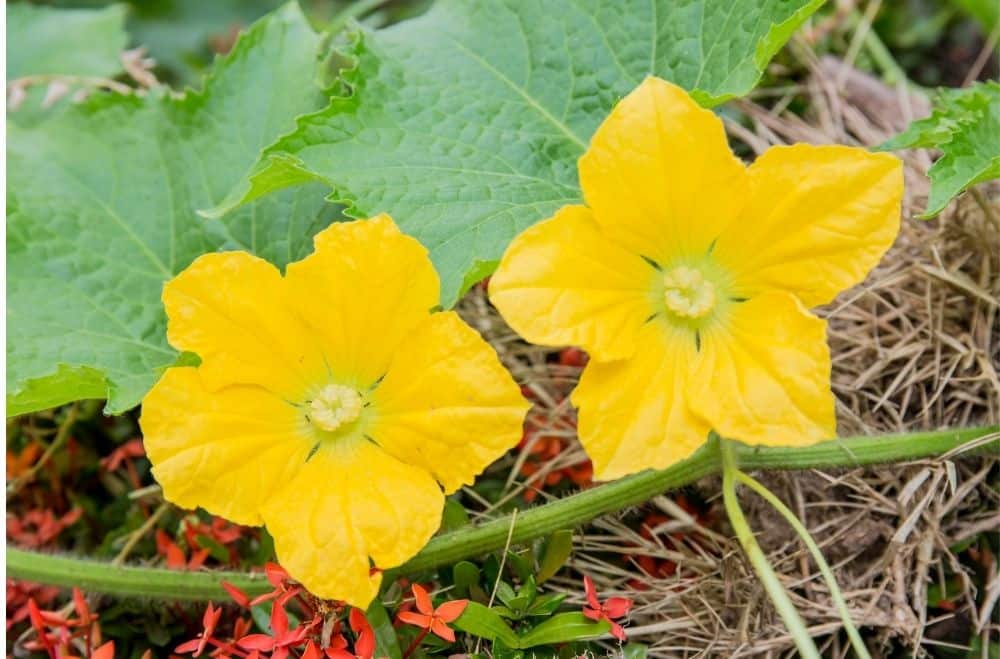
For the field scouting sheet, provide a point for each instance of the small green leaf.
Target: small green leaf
(563, 628)
(465, 124)
(454, 516)
(465, 575)
(386, 641)
(965, 127)
(634, 651)
(528, 589)
(556, 553)
(215, 549)
(480, 621)
(506, 593)
(504, 612)
(521, 565)
(546, 604)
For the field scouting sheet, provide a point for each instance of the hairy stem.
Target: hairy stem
(758, 559)
(471, 541)
(838, 598)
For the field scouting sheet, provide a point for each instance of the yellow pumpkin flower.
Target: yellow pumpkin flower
(329, 403)
(688, 277)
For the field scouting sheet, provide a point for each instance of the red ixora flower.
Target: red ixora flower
(364, 646)
(209, 622)
(615, 607)
(431, 619)
(284, 637)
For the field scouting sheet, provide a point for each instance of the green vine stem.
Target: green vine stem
(565, 513)
(758, 559)
(838, 599)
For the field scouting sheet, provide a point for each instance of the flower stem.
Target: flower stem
(416, 643)
(838, 599)
(471, 541)
(793, 621)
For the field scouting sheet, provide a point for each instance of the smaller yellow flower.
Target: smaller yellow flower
(329, 403)
(687, 277)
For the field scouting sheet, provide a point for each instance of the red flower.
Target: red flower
(106, 651)
(284, 638)
(176, 559)
(18, 594)
(209, 621)
(39, 527)
(615, 607)
(118, 457)
(431, 619)
(364, 646)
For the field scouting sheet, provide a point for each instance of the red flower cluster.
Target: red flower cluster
(64, 637)
(318, 635)
(176, 558)
(20, 463)
(609, 611)
(218, 532)
(18, 595)
(543, 447)
(660, 568)
(39, 527)
(125, 455)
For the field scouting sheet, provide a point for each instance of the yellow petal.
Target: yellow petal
(230, 310)
(763, 375)
(817, 220)
(447, 404)
(659, 174)
(347, 504)
(226, 451)
(633, 413)
(561, 282)
(362, 291)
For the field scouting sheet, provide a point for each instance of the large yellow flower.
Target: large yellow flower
(687, 276)
(329, 403)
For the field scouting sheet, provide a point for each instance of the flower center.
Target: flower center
(687, 293)
(335, 406)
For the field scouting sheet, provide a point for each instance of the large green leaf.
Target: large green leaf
(77, 42)
(101, 206)
(965, 127)
(466, 124)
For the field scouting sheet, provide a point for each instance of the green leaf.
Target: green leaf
(563, 628)
(59, 52)
(546, 604)
(464, 575)
(506, 593)
(965, 127)
(386, 641)
(986, 12)
(634, 651)
(466, 124)
(557, 551)
(66, 42)
(177, 32)
(454, 516)
(480, 621)
(100, 207)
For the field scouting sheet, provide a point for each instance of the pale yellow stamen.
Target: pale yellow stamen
(335, 406)
(687, 293)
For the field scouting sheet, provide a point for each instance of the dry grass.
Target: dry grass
(917, 345)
